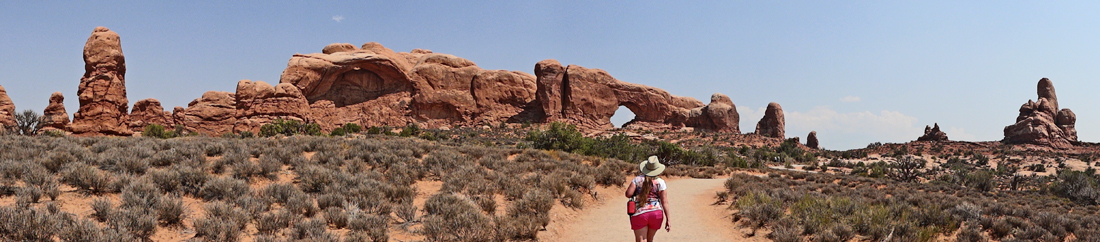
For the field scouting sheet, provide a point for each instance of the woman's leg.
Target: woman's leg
(640, 234)
(655, 219)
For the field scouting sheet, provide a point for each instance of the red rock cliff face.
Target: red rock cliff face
(372, 85)
(213, 114)
(102, 90)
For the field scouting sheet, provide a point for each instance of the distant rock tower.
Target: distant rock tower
(102, 90)
(1041, 122)
(772, 124)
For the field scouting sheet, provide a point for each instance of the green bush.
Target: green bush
(157, 131)
(289, 128)
(410, 130)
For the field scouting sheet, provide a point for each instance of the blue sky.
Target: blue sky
(855, 71)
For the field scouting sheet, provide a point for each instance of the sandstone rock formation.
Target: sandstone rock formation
(772, 125)
(811, 140)
(933, 134)
(259, 103)
(7, 111)
(549, 74)
(54, 117)
(374, 86)
(214, 114)
(719, 115)
(149, 111)
(1041, 122)
(102, 90)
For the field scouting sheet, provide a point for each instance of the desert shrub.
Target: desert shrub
(23, 224)
(224, 189)
(157, 131)
(1077, 186)
(288, 128)
(970, 234)
(170, 210)
(410, 130)
(214, 229)
(759, 208)
(58, 160)
(139, 223)
(372, 226)
(84, 177)
(313, 230)
(786, 230)
(85, 230)
(449, 217)
(192, 179)
(406, 212)
(269, 223)
(167, 180)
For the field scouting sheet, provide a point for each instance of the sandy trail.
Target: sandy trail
(693, 216)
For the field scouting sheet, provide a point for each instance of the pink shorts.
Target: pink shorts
(651, 219)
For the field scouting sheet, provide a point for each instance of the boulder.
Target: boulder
(1041, 122)
(339, 47)
(214, 114)
(772, 124)
(7, 111)
(811, 140)
(149, 111)
(933, 134)
(54, 117)
(102, 90)
(259, 103)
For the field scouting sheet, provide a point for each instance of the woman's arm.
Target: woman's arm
(664, 205)
(630, 190)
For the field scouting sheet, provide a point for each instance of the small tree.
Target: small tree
(27, 122)
(907, 169)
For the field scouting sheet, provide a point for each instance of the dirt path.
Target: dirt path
(693, 218)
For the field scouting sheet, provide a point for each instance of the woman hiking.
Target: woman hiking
(648, 192)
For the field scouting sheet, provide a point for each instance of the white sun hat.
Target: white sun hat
(651, 167)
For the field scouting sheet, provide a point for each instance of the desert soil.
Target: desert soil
(693, 216)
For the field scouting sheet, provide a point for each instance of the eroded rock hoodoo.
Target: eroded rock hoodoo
(772, 124)
(811, 140)
(7, 111)
(1041, 122)
(933, 134)
(54, 117)
(102, 90)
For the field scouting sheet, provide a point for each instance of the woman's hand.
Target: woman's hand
(668, 227)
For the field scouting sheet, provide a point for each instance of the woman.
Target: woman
(648, 191)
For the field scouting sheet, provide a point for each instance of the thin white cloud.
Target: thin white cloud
(338, 18)
(850, 99)
(956, 133)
